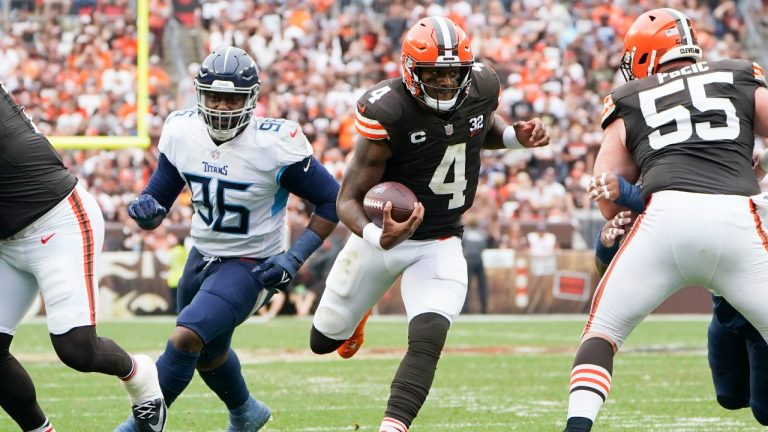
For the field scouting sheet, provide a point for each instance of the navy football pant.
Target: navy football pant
(216, 296)
(739, 368)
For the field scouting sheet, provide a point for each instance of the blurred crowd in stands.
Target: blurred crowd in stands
(72, 63)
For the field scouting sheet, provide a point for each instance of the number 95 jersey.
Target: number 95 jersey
(691, 129)
(240, 207)
(436, 155)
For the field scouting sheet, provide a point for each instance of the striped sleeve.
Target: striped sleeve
(758, 72)
(369, 128)
(609, 107)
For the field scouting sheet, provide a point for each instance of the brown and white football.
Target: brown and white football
(401, 196)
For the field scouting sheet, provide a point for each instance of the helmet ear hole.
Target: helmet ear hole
(643, 58)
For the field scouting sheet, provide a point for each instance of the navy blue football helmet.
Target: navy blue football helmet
(227, 70)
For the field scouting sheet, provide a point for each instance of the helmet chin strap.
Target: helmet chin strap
(437, 104)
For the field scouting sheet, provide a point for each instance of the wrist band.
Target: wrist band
(372, 234)
(509, 138)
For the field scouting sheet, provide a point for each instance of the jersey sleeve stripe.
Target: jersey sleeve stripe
(370, 123)
(758, 71)
(608, 108)
(370, 133)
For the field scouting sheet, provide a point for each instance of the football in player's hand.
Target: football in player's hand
(401, 197)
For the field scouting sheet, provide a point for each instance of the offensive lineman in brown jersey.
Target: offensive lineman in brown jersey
(686, 127)
(51, 233)
(425, 131)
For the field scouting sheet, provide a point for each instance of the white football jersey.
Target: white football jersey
(238, 202)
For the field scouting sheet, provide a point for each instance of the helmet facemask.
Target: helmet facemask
(431, 93)
(439, 44)
(227, 71)
(223, 125)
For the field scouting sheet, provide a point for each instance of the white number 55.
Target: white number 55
(682, 117)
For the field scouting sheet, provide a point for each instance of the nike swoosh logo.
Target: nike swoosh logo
(293, 134)
(306, 168)
(160, 421)
(45, 239)
(285, 278)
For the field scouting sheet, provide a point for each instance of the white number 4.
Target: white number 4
(378, 93)
(454, 155)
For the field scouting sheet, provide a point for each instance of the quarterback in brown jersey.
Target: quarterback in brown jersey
(687, 128)
(425, 131)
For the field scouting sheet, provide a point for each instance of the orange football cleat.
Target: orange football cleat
(350, 346)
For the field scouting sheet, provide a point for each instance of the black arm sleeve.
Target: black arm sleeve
(166, 183)
(311, 181)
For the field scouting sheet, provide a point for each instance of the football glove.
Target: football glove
(276, 273)
(146, 211)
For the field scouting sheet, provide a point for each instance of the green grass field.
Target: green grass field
(497, 374)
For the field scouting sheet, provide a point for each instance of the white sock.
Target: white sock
(142, 384)
(590, 385)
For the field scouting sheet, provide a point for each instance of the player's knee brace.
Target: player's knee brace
(75, 348)
(427, 334)
(322, 344)
(413, 380)
(83, 351)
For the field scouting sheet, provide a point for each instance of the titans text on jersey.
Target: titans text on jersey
(236, 194)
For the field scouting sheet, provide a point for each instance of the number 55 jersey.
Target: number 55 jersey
(691, 129)
(239, 205)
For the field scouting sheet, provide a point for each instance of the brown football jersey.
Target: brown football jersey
(33, 178)
(436, 155)
(691, 129)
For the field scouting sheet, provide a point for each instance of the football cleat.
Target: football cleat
(250, 417)
(150, 416)
(350, 347)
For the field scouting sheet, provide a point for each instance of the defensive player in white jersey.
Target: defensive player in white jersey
(51, 233)
(240, 170)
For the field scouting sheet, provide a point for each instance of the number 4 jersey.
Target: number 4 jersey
(691, 129)
(239, 204)
(436, 156)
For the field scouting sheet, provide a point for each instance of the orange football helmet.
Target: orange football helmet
(436, 42)
(657, 37)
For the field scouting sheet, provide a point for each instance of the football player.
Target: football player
(737, 354)
(51, 234)
(686, 126)
(240, 169)
(426, 131)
